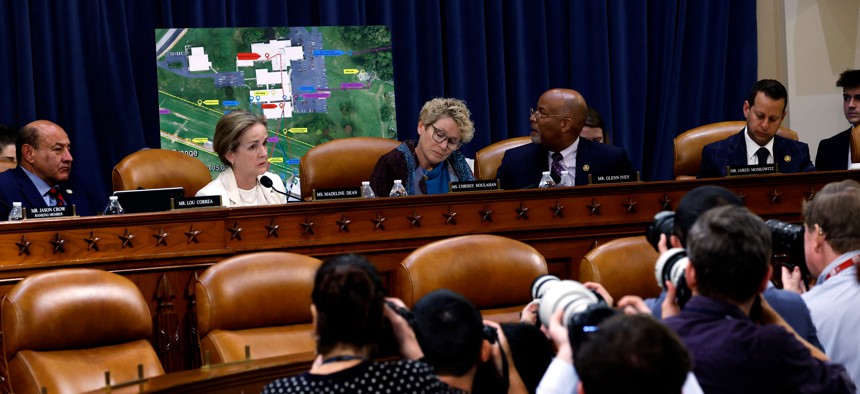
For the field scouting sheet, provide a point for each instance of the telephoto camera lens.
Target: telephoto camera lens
(553, 293)
(671, 266)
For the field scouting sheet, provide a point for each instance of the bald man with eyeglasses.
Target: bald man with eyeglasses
(556, 146)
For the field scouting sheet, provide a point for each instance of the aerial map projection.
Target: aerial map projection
(313, 84)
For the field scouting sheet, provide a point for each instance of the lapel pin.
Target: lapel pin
(787, 158)
(586, 168)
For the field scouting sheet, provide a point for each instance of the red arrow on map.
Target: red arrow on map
(247, 56)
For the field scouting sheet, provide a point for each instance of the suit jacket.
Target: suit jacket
(15, 185)
(833, 152)
(792, 156)
(522, 166)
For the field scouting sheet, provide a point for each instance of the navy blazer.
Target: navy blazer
(792, 156)
(522, 166)
(833, 152)
(15, 185)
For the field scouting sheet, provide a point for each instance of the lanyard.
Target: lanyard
(843, 266)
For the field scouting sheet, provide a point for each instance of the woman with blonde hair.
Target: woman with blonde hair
(240, 142)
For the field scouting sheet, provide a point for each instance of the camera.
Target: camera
(583, 309)
(664, 223)
(671, 266)
(788, 250)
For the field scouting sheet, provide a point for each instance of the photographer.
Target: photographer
(694, 204)
(626, 354)
(348, 309)
(832, 249)
(456, 342)
(729, 250)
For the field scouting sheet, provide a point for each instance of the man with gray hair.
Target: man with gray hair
(729, 250)
(832, 248)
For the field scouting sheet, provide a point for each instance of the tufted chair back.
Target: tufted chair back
(624, 266)
(493, 272)
(261, 300)
(488, 160)
(159, 168)
(63, 329)
(341, 163)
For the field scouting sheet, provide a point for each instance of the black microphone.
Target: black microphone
(267, 182)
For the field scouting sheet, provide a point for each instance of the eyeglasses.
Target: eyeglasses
(539, 115)
(440, 136)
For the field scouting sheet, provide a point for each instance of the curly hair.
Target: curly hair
(455, 109)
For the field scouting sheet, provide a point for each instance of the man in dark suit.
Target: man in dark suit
(555, 128)
(44, 164)
(758, 143)
(834, 152)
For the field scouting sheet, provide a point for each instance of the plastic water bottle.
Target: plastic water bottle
(565, 180)
(546, 181)
(17, 213)
(113, 207)
(397, 190)
(366, 190)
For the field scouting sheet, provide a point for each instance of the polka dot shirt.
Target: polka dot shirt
(405, 376)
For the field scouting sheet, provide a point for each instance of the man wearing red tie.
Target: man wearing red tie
(44, 163)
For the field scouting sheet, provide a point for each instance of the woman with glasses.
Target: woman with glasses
(428, 165)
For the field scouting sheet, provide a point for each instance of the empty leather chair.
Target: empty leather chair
(260, 300)
(493, 272)
(624, 266)
(341, 163)
(689, 145)
(63, 329)
(488, 160)
(159, 168)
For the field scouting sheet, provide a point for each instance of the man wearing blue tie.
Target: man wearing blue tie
(555, 127)
(44, 164)
(758, 143)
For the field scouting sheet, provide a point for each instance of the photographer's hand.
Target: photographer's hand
(529, 313)
(663, 245)
(670, 305)
(559, 336)
(594, 286)
(503, 349)
(631, 305)
(403, 332)
(792, 280)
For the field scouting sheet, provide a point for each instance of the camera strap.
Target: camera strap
(843, 266)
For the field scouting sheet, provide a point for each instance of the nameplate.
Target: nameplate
(195, 202)
(758, 169)
(337, 194)
(473, 186)
(614, 178)
(50, 212)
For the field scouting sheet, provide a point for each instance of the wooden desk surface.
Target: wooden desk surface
(163, 252)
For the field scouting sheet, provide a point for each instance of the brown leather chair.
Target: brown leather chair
(158, 168)
(488, 160)
(7, 165)
(689, 145)
(624, 266)
(63, 329)
(341, 163)
(261, 300)
(493, 272)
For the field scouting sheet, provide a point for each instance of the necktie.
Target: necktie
(55, 193)
(762, 154)
(557, 168)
